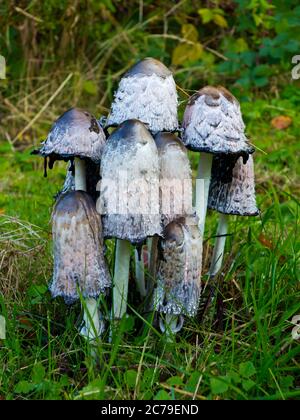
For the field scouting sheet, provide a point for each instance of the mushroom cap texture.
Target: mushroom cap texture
(235, 194)
(76, 133)
(129, 189)
(175, 178)
(79, 262)
(147, 92)
(213, 123)
(179, 268)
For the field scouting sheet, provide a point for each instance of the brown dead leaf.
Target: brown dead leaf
(281, 122)
(265, 242)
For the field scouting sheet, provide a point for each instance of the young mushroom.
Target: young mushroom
(179, 273)
(79, 263)
(147, 92)
(213, 125)
(76, 137)
(129, 198)
(230, 193)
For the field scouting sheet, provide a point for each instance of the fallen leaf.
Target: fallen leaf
(265, 242)
(281, 122)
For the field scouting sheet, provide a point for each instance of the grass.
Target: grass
(252, 355)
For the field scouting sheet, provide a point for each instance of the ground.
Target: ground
(250, 355)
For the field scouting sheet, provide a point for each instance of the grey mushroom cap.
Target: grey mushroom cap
(147, 92)
(79, 263)
(147, 67)
(175, 178)
(77, 133)
(213, 123)
(179, 269)
(233, 193)
(129, 191)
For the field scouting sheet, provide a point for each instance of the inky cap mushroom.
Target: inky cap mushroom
(76, 133)
(147, 92)
(79, 262)
(175, 178)
(213, 123)
(129, 190)
(232, 192)
(179, 269)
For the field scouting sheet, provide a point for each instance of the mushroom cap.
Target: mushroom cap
(79, 262)
(213, 123)
(129, 189)
(233, 191)
(76, 133)
(147, 92)
(147, 67)
(175, 178)
(179, 268)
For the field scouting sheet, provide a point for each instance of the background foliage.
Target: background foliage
(63, 53)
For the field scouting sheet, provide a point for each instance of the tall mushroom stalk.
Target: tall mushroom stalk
(213, 125)
(175, 203)
(230, 193)
(77, 136)
(147, 92)
(129, 198)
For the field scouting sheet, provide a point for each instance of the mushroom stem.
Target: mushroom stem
(80, 175)
(93, 327)
(121, 276)
(202, 187)
(140, 272)
(219, 247)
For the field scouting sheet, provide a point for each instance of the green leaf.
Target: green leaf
(38, 373)
(247, 384)
(185, 53)
(220, 21)
(2, 328)
(189, 32)
(90, 87)
(206, 15)
(24, 387)
(219, 385)
(130, 378)
(162, 395)
(247, 369)
(175, 381)
(192, 382)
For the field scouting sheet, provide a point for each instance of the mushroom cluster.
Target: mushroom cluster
(136, 186)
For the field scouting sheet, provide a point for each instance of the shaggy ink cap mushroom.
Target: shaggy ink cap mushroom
(76, 134)
(175, 178)
(213, 123)
(130, 155)
(147, 92)
(179, 269)
(79, 262)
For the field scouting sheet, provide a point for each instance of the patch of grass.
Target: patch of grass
(252, 356)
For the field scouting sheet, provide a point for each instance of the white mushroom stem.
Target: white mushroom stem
(90, 306)
(121, 276)
(202, 188)
(140, 272)
(218, 252)
(80, 175)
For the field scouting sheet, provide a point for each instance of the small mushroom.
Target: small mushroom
(179, 273)
(230, 193)
(79, 263)
(212, 125)
(129, 198)
(147, 92)
(78, 136)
